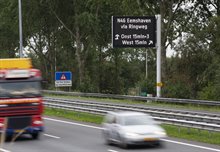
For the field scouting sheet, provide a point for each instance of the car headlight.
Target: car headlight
(129, 134)
(162, 133)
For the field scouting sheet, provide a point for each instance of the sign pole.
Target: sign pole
(159, 84)
(20, 29)
(146, 65)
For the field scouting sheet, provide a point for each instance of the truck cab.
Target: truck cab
(21, 102)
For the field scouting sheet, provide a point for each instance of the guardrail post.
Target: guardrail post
(188, 131)
(199, 131)
(210, 134)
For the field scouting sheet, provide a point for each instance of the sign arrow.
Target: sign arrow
(117, 36)
(150, 42)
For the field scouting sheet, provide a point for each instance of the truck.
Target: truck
(21, 100)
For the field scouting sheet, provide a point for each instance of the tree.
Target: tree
(9, 38)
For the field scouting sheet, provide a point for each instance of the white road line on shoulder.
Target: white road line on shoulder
(191, 145)
(52, 136)
(4, 150)
(73, 123)
(166, 140)
(110, 150)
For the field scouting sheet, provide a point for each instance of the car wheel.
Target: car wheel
(123, 144)
(160, 144)
(107, 140)
(35, 135)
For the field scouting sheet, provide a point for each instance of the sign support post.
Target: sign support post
(146, 66)
(158, 46)
(20, 29)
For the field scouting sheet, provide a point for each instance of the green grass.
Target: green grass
(172, 131)
(156, 104)
(193, 134)
(78, 116)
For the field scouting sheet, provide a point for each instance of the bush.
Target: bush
(178, 89)
(209, 93)
(147, 86)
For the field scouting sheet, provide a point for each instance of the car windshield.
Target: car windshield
(137, 120)
(20, 89)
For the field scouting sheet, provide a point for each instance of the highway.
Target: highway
(62, 135)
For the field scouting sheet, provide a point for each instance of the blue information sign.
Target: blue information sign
(63, 79)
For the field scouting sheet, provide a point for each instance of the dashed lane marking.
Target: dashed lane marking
(4, 150)
(52, 136)
(110, 150)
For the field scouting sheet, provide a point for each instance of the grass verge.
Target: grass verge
(78, 116)
(192, 134)
(172, 131)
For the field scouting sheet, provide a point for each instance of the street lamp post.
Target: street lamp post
(20, 29)
(159, 83)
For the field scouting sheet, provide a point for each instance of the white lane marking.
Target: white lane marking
(73, 123)
(191, 145)
(110, 150)
(166, 140)
(4, 150)
(52, 136)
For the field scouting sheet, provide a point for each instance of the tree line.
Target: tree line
(75, 35)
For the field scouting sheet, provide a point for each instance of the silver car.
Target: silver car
(131, 128)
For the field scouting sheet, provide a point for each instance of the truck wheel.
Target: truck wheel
(35, 135)
(9, 138)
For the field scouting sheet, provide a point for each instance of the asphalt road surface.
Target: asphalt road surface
(63, 135)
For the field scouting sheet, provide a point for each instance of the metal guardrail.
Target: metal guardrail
(162, 112)
(140, 98)
(206, 121)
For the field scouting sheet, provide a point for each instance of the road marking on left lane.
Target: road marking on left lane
(110, 150)
(4, 150)
(52, 136)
